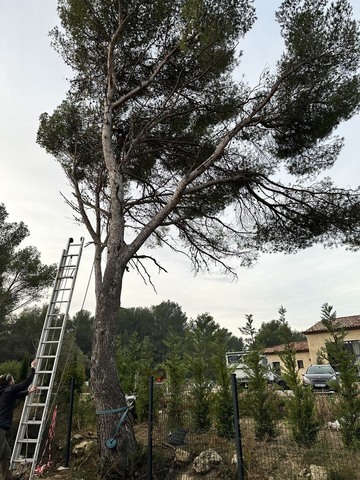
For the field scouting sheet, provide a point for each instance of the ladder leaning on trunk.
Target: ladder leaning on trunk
(35, 411)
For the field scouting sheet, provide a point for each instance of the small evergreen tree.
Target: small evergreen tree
(127, 361)
(301, 407)
(145, 370)
(199, 369)
(71, 369)
(348, 404)
(249, 330)
(224, 410)
(262, 397)
(175, 368)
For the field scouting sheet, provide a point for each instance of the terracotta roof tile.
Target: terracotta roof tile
(299, 347)
(348, 323)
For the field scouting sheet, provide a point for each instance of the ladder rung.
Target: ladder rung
(23, 460)
(36, 404)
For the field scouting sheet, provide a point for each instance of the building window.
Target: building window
(300, 364)
(276, 367)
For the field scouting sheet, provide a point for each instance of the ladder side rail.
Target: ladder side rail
(56, 361)
(53, 311)
(49, 313)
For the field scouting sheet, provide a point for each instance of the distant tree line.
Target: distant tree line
(157, 323)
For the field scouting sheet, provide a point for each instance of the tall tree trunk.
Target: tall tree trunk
(108, 394)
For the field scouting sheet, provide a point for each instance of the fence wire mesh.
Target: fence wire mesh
(181, 452)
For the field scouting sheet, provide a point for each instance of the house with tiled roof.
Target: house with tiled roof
(301, 351)
(309, 352)
(317, 335)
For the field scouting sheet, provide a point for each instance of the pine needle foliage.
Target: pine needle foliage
(301, 405)
(262, 396)
(224, 414)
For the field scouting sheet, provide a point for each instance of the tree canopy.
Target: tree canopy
(271, 333)
(159, 322)
(164, 146)
(274, 332)
(277, 332)
(23, 277)
(187, 126)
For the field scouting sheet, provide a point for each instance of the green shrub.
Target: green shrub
(145, 370)
(347, 407)
(199, 368)
(175, 373)
(262, 399)
(13, 367)
(301, 406)
(224, 410)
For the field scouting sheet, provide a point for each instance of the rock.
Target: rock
(318, 472)
(182, 456)
(185, 476)
(334, 425)
(206, 461)
(83, 447)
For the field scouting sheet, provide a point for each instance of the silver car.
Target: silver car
(321, 377)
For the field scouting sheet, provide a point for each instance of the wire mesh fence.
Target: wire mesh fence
(181, 452)
(177, 444)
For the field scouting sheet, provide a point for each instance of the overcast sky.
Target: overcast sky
(33, 81)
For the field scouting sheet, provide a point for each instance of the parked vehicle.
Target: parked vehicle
(236, 362)
(321, 377)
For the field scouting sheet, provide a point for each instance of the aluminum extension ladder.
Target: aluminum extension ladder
(35, 411)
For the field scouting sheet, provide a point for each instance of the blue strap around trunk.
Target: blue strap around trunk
(111, 442)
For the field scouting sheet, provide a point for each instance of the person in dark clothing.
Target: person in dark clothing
(9, 393)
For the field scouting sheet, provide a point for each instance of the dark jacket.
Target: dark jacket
(8, 396)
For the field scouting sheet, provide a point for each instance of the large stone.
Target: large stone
(317, 472)
(84, 446)
(206, 461)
